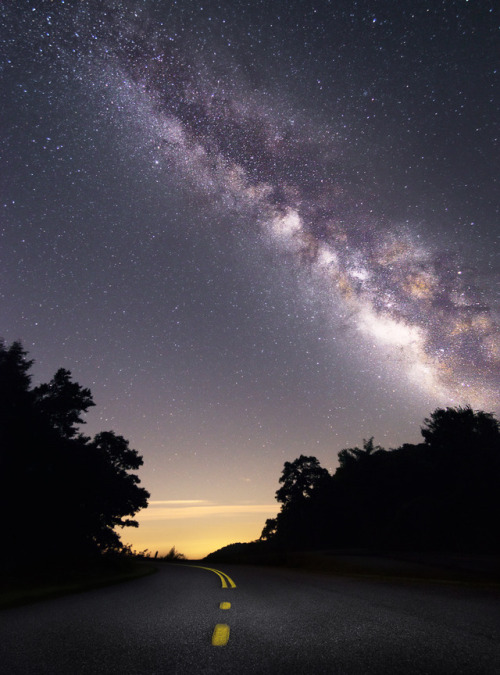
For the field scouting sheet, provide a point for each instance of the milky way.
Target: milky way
(284, 174)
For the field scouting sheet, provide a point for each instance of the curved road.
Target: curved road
(280, 621)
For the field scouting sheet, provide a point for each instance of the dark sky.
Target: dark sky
(253, 229)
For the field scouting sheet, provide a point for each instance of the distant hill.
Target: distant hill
(254, 552)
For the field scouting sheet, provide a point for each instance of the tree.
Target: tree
(300, 479)
(463, 448)
(358, 499)
(62, 402)
(60, 492)
(109, 492)
(461, 429)
(117, 452)
(301, 516)
(14, 383)
(173, 554)
(351, 456)
(442, 494)
(14, 367)
(269, 530)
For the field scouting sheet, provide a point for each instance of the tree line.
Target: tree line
(442, 494)
(62, 494)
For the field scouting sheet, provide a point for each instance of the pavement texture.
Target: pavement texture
(278, 621)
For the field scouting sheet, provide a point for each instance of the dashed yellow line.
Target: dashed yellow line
(225, 605)
(220, 635)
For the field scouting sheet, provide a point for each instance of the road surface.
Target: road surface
(181, 620)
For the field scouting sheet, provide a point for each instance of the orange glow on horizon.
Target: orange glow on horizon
(196, 527)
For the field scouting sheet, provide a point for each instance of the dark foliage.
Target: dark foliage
(253, 553)
(300, 478)
(61, 494)
(442, 494)
(173, 555)
(62, 402)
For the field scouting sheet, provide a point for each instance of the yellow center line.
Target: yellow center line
(220, 635)
(226, 580)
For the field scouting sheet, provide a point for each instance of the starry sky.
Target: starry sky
(254, 229)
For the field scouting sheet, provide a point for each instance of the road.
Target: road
(279, 621)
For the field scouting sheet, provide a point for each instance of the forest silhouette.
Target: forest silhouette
(62, 494)
(440, 495)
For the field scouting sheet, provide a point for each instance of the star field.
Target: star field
(252, 229)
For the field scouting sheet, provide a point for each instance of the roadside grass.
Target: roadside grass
(27, 586)
(403, 567)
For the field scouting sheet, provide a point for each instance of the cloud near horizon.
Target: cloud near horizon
(177, 509)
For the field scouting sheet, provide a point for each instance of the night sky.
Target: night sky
(254, 229)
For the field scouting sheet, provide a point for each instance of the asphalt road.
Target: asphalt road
(280, 621)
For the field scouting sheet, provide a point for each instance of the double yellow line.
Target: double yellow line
(226, 580)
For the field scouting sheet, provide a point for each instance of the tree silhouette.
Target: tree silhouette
(117, 452)
(351, 456)
(61, 493)
(463, 446)
(174, 554)
(442, 494)
(62, 403)
(269, 530)
(358, 500)
(14, 384)
(459, 429)
(300, 479)
(297, 524)
(15, 367)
